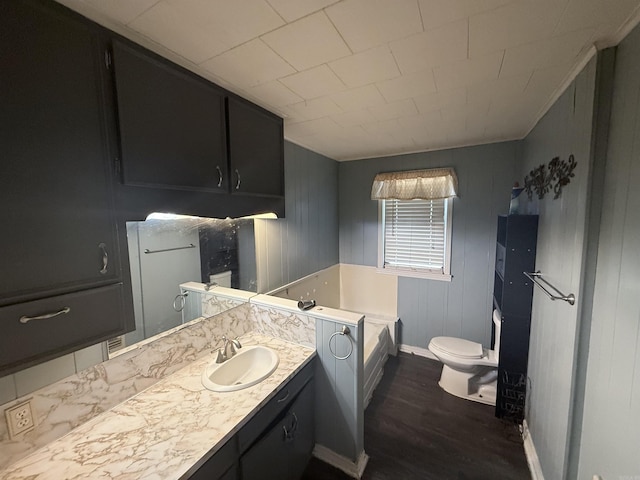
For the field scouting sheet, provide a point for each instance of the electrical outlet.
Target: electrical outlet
(19, 419)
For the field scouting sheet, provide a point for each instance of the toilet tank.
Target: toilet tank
(497, 322)
(223, 279)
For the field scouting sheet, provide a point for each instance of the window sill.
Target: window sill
(398, 272)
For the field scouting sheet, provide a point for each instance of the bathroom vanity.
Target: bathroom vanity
(178, 429)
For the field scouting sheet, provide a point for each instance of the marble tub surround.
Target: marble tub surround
(290, 326)
(317, 312)
(164, 431)
(63, 406)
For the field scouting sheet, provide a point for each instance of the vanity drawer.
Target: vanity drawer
(43, 329)
(267, 414)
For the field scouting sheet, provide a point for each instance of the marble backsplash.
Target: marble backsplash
(61, 407)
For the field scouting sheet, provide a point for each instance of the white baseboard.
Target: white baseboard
(530, 452)
(354, 470)
(422, 352)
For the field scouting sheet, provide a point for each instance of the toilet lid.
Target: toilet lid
(458, 347)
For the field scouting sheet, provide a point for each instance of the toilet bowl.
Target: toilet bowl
(469, 371)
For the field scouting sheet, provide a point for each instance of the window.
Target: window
(415, 237)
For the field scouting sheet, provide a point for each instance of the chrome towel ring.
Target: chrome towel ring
(344, 332)
(180, 301)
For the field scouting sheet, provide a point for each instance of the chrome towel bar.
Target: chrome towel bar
(191, 245)
(536, 278)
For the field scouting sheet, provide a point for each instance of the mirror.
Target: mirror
(167, 250)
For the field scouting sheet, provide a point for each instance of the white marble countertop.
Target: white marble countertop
(163, 431)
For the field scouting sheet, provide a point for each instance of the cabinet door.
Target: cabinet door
(222, 466)
(285, 449)
(256, 149)
(58, 231)
(172, 129)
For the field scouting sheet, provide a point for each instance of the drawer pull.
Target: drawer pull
(288, 434)
(280, 400)
(239, 179)
(105, 258)
(25, 318)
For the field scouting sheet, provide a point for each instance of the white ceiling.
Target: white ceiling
(365, 78)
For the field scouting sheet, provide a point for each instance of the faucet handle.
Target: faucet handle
(221, 357)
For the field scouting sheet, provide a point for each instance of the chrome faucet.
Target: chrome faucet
(229, 349)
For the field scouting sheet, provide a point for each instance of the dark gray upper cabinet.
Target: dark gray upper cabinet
(256, 149)
(60, 234)
(171, 124)
(59, 230)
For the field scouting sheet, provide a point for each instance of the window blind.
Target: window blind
(415, 234)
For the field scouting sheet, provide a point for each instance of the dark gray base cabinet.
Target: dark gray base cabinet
(276, 443)
(285, 449)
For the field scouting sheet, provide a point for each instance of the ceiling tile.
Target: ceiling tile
(544, 81)
(382, 128)
(432, 48)
(292, 10)
(312, 127)
(308, 42)
(312, 109)
(388, 111)
(358, 98)
(274, 93)
(509, 88)
(366, 67)
(514, 24)
(468, 72)
(591, 13)
(436, 13)
(249, 65)
(408, 86)
(545, 53)
(437, 100)
(313, 83)
(368, 23)
(122, 11)
(351, 119)
(201, 29)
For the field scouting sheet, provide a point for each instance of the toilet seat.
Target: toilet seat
(458, 347)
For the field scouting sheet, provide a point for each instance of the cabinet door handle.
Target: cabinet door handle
(280, 400)
(26, 319)
(105, 258)
(289, 433)
(239, 179)
(220, 177)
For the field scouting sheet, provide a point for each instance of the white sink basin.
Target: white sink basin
(248, 367)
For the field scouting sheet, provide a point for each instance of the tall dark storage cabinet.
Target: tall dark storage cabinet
(62, 282)
(512, 295)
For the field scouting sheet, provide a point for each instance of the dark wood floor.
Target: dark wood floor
(415, 430)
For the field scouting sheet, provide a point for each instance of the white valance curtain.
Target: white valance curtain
(429, 184)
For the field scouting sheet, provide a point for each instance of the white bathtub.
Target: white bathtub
(326, 287)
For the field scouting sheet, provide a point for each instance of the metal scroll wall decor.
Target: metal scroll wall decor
(541, 180)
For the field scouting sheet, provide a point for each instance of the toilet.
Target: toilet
(469, 370)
